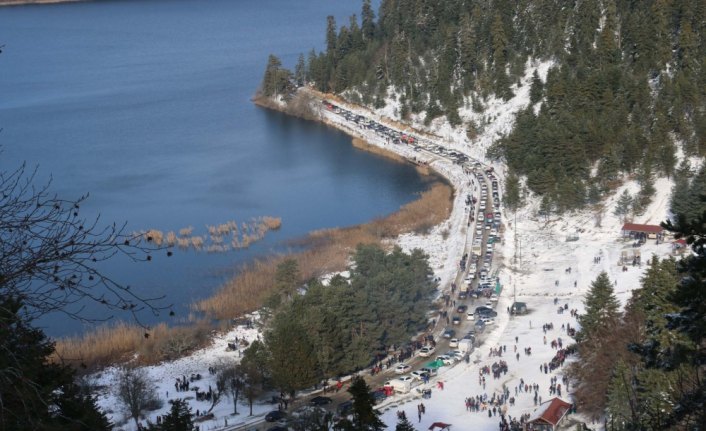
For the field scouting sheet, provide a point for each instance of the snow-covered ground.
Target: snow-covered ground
(545, 258)
(533, 260)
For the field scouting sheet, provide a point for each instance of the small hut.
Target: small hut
(642, 231)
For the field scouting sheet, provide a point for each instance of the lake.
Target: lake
(146, 106)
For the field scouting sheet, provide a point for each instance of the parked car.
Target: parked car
(275, 415)
(320, 401)
(402, 368)
(418, 374)
(479, 325)
(456, 320)
(429, 371)
(449, 333)
(453, 342)
(487, 320)
(378, 395)
(445, 359)
(490, 313)
(461, 309)
(470, 316)
(426, 351)
(454, 354)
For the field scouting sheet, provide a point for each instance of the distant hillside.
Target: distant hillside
(626, 94)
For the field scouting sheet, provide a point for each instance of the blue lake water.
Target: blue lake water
(145, 104)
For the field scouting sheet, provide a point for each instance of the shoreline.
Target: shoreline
(326, 250)
(357, 141)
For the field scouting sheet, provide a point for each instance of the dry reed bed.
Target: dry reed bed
(220, 238)
(123, 342)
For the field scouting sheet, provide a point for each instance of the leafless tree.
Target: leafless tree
(50, 254)
(231, 380)
(136, 392)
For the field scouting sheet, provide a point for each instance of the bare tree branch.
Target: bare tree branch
(50, 255)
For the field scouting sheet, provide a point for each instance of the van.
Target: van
(465, 346)
(399, 385)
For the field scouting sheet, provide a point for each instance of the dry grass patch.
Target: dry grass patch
(119, 343)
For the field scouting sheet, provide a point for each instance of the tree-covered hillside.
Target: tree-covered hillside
(627, 89)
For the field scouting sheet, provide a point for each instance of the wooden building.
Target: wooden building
(548, 416)
(642, 231)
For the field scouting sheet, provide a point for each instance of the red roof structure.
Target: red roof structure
(548, 415)
(440, 425)
(642, 228)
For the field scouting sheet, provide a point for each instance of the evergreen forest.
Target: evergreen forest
(343, 327)
(625, 94)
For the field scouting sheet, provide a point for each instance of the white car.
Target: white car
(418, 375)
(406, 378)
(453, 342)
(494, 297)
(487, 320)
(470, 316)
(455, 354)
(402, 368)
(425, 352)
(446, 360)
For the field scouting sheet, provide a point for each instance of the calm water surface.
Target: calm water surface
(145, 104)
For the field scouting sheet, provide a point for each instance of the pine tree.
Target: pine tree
(512, 192)
(37, 393)
(368, 21)
(365, 417)
(602, 308)
(287, 277)
(300, 72)
(179, 418)
(624, 204)
(619, 409)
(537, 88)
(293, 360)
(403, 424)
